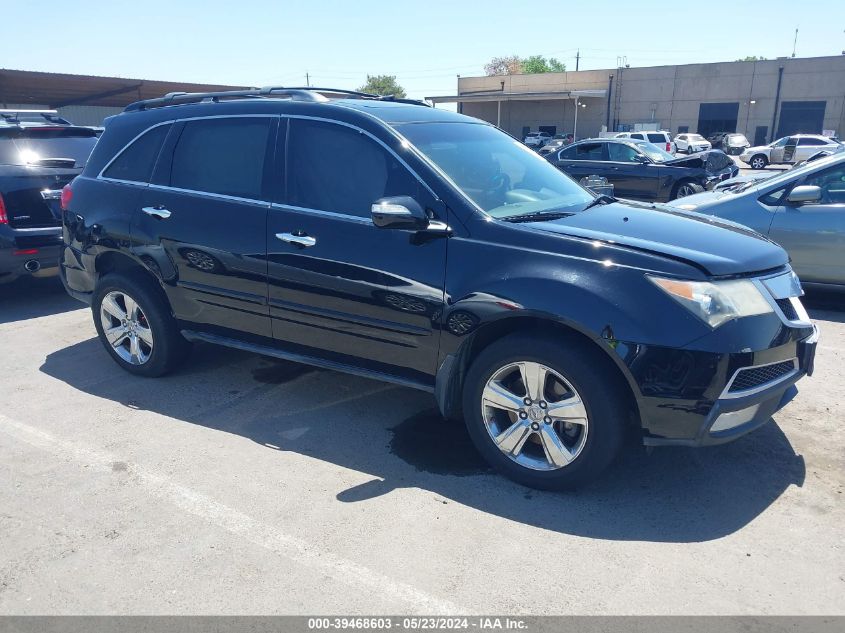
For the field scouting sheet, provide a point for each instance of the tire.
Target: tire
(591, 442)
(158, 347)
(758, 161)
(686, 188)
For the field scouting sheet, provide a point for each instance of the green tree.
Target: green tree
(752, 58)
(383, 85)
(539, 64)
(509, 65)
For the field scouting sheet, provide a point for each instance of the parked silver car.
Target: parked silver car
(802, 209)
(787, 150)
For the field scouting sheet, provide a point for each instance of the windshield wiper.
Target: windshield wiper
(540, 216)
(602, 199)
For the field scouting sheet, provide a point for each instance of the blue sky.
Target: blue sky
(426, 44)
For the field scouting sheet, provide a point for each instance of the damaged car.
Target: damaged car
(642, 171)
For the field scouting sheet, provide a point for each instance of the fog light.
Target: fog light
(733, 419)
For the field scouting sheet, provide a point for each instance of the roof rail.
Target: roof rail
(297, 93)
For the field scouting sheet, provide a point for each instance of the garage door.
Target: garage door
(801, 116)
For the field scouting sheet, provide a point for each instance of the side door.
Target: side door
(584, 159)
(201, 223)
(778, 150)
(630, 176)
(814, 233)
(341, 288)
(807, 146)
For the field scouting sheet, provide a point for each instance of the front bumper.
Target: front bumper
(732, 417)
(688, 397)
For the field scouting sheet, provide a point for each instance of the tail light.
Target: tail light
(668, 146)
(67, 195)
(4, 219)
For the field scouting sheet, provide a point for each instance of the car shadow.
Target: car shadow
(33, 297)
(395, 435)
(828, 305)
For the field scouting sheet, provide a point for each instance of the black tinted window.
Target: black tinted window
(811, 141)
(335, 168)
(588, 151)
(44, 145)
(224, 156)
(638, 136)
(656, 138)
(621, 153)
(832, 183)
(136, 162)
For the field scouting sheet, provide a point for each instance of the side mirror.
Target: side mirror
(399, 212)
(639, 158)
(804, 194)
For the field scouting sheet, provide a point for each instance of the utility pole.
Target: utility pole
(307, 79)
(794, 42)
(578, 59)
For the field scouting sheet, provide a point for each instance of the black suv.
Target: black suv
(430, 249)
(39, 154)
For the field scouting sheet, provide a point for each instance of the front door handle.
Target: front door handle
(157, 212)
(299, 240)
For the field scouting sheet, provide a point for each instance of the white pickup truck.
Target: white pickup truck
(787, 150)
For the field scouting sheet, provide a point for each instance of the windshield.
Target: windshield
(32, 146)
(498, 173)
(654, 153)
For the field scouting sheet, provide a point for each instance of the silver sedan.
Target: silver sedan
(802, 209)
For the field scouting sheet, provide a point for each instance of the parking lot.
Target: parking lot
(247, 485)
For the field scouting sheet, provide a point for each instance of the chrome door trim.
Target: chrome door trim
(299, 240)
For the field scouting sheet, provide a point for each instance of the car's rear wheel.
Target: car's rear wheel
(135, 326)
(758, 162)
(686, 188)
(545, 414)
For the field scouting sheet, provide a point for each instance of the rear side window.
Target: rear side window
(335, 168)
(223, 156)
(136, 162)
(638, 136)
(657, 138)
(811, 141)
(588, 151)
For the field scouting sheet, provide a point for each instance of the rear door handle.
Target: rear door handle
(299, 240)
(157, 212)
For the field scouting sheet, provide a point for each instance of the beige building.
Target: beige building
(764, 100)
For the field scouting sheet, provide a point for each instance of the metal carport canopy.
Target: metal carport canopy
(498, 95)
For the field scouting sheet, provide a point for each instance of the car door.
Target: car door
(341, 288)
(583, 159)
(630, 172)
(814, 233)
(201, 223)
(777, 155)
(681, 142)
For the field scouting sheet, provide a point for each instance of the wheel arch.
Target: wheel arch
(452, 372)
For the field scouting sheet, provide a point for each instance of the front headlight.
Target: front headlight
(715, 302)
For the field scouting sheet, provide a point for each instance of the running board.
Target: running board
(266, 350)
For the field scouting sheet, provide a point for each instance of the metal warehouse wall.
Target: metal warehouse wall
(669, 96)
(79, 114)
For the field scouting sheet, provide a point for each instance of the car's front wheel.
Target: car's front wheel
(758, 162)
(135, 326)
(686, 188)
(546, 414)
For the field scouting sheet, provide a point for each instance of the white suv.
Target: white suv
(787, 150)
(537, 139)
(690, 143)
(659, 138)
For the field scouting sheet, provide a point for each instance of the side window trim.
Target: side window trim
(282, 203)
(101, 176)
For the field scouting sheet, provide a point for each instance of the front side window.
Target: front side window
(136, 162)
(781, 142)
(223, 156)
(832, 183)
(336, 168)
(499, 174)
(621, 153)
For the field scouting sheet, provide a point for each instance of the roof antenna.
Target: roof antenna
(794, 42)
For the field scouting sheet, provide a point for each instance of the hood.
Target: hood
(713, 161)
(717, 246)
(758, 148)
(699, 201)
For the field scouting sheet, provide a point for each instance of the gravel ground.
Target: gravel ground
(242, 485)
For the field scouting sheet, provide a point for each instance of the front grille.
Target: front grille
(752, 377)
(788, 309)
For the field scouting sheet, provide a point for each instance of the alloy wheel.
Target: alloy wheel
(126, 328)
(685, 190)
(534, 416)
(758, 163)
